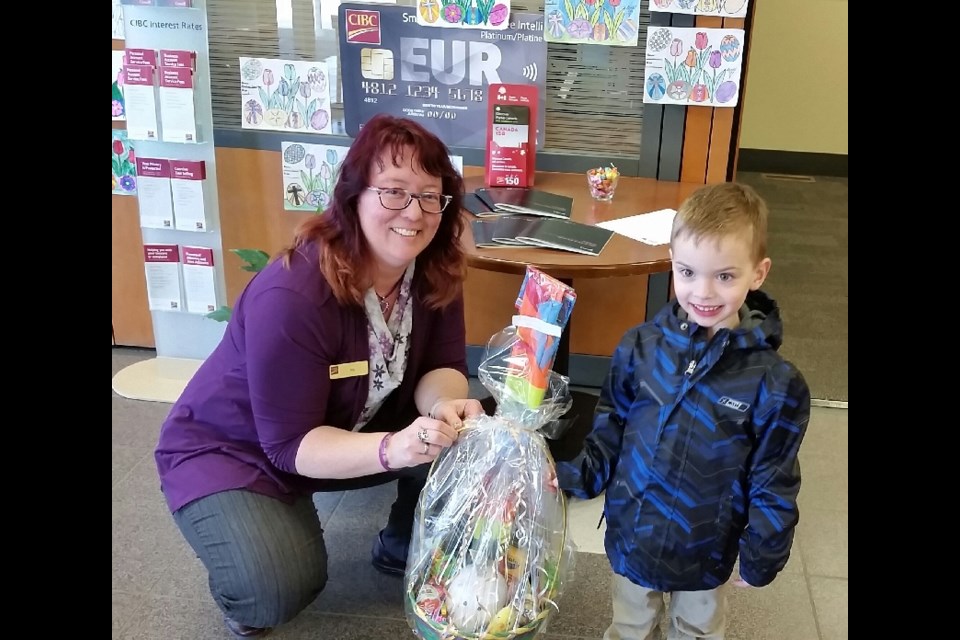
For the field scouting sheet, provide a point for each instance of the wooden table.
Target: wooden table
(622, 256)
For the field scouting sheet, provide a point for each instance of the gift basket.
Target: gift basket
(489, 553)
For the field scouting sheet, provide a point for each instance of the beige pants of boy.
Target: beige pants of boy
(692, 614)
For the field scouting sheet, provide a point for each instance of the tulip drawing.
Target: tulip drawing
(672, 69)
(691, 64)
(124, 165)
(713, 82)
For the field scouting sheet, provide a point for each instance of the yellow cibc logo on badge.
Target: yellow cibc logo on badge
(376, 64)
(348, 369)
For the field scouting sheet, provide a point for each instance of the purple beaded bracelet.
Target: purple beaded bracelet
(383, 451)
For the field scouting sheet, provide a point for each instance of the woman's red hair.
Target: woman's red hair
(345, 257)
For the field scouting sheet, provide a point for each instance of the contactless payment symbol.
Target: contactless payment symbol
(376, 64)
(363, 26)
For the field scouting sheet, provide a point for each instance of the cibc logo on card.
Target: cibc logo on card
(363, 26)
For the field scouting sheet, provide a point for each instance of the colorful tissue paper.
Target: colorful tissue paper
(548, 300)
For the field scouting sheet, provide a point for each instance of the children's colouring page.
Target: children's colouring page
(721, 8)
(118, 33)
(284, 95)
(124, 165)
(608, 22)
(309, 174)
(464, 14)
(693, 66)
(119, 108)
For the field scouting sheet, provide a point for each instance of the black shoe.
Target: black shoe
(384, 561)
(243, 631)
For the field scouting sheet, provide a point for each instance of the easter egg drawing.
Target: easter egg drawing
(734, 6)
(579, 28)
(429, 10)
(726, 91)
(498, 14)
(627, 30)
(678, 90)
(656, 86)
(660, 40)
(730, 48)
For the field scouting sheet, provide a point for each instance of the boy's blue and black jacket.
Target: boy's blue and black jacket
(695, 442)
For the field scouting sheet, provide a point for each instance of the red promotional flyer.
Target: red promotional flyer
(511, 135)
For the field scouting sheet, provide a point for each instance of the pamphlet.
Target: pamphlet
(199, 280)
(140, 102)
(186, 185)
(507, 200)
(177, 107)
(162, 268)
(511, 135)
(538, 232)
(153, 193)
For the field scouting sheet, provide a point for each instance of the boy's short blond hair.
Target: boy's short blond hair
(720, 210)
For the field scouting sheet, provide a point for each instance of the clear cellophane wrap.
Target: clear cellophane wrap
(490, 552)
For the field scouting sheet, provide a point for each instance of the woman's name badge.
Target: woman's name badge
(348, 369)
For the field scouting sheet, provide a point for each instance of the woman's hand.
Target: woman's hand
(453, 412)
(419, 443)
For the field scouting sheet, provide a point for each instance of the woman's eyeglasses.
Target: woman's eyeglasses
(399, 199)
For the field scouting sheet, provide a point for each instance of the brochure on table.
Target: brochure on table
(184, 193)
(511, 135)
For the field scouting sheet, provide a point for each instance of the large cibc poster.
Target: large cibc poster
(438, 77)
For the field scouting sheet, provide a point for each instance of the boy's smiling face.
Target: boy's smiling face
(711, 278)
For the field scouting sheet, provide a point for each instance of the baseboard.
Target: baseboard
(793, 162)
(585, 370)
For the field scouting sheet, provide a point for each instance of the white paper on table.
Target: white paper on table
(162, 267)
(199, 280)
(140, 103)
(153, 193)
(650, 228)
(186, 186)
(177, 108)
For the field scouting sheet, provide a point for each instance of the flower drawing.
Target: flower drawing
(713, 81)
(312, 169)
(594, 20)
(124, 165)
(118, 104)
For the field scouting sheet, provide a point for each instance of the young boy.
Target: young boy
(696, 432)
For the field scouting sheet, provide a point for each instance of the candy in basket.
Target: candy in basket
(490, 554)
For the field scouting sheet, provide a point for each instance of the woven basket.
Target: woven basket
(431, 630)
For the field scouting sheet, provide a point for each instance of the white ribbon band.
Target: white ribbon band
(537, 325)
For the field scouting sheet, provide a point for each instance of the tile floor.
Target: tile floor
(159, 587)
